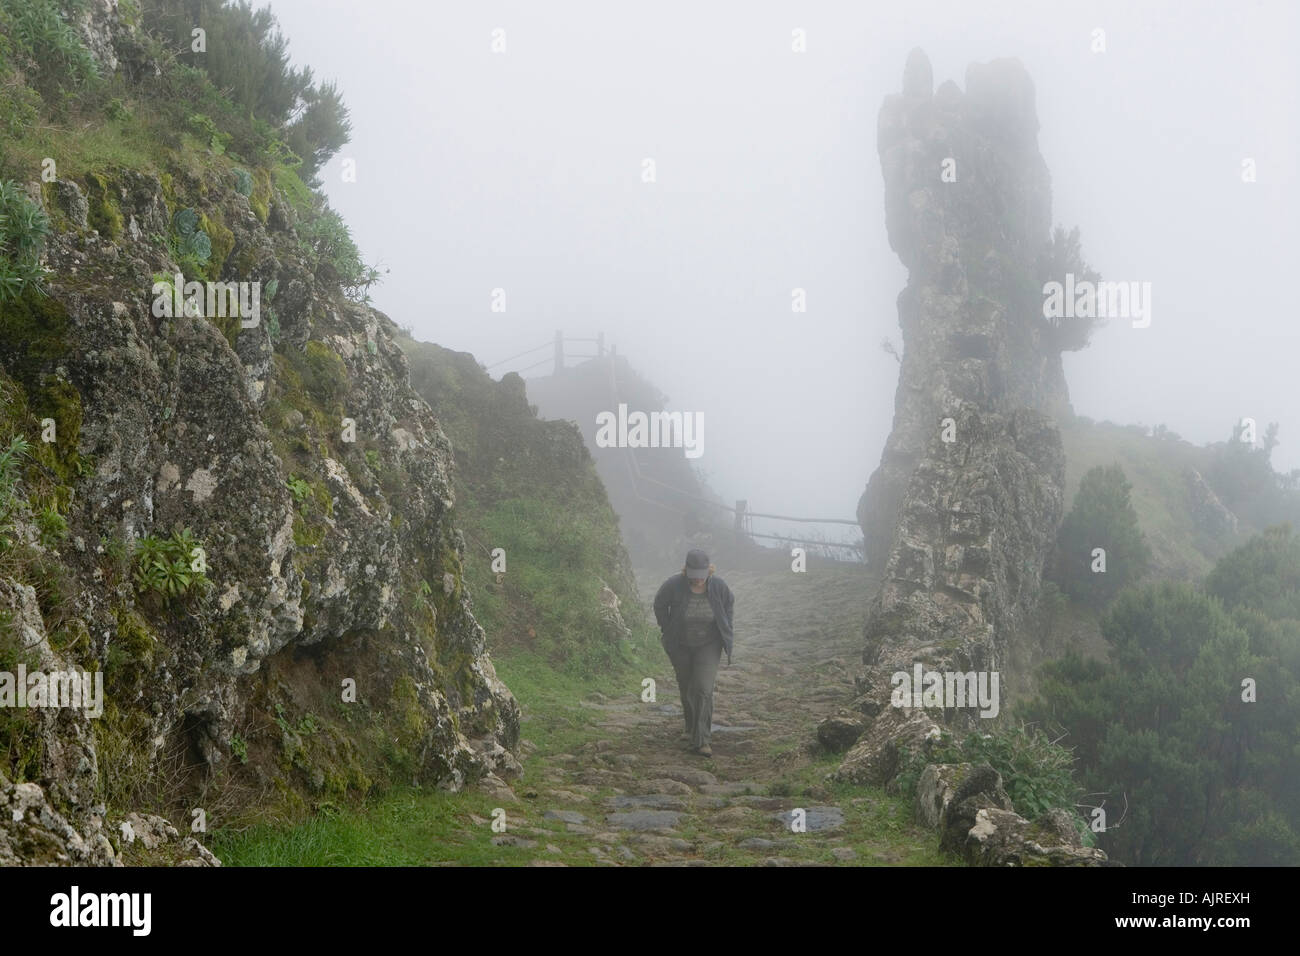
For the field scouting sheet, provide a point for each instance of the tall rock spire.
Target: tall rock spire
(961, 514)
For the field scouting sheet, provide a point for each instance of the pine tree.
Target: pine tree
(1103, 518)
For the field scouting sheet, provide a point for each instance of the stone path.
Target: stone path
(634, 794)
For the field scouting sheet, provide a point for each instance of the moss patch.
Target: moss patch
(105, 212)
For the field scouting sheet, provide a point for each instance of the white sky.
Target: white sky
(523, 171)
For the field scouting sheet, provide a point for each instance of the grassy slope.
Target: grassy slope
(1156, 469)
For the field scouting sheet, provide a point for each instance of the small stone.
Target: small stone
(664, 785)
(815, 818)
(644, 820)
(564, 816)
(689, 775)
(506, 839)
(651, 801)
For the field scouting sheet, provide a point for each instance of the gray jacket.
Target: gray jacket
(670, 609)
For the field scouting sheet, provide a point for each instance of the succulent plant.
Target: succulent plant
(199, 245)
(185, 222)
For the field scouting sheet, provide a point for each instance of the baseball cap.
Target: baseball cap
(697, 564)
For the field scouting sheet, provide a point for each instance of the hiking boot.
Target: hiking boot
(705, 751)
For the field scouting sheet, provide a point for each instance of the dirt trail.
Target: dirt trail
(638, 796)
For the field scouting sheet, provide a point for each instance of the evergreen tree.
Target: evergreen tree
(1102, 517)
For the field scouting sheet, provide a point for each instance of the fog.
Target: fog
(522, 171)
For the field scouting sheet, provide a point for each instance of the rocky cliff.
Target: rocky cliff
(963, 510)
(247, 529)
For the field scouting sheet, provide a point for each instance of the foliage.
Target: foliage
(1037, 772)
(322, 128)
(11, 461)
(1242, 475)
(1063, 256)
(299, 488)
(51, 525)
(327, 243)
(1210, 776)
(191, 246)
(1102, 517)
(23, 230)
(247, 58)
(49, 50)
(216, 140)
(167, 566)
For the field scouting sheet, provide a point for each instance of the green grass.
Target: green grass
(423, 828)
(430, 828)
(1155, 468)
(408, 828)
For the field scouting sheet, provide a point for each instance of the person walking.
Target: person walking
(694, 613)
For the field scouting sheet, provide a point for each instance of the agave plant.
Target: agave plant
(193, 240)
(185, 222)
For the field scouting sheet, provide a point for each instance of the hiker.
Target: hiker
(694, 614)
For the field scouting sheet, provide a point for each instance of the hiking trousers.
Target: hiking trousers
(697, 669)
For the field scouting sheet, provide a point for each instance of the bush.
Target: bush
(11, 462)
(23, 230)
(1242, 475)
(327, 243)
(1210, 776)
(1102, 517)
(47, 48)
(1037, 773)
(1061, 257)
(247, 57)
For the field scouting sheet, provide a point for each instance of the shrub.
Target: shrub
(50, 52)
(23, 230)
(247, 57)
(1064, 256)
(1167, 727)
(1037, 772)
(327, 243)
(1102, 517)
(11, 462)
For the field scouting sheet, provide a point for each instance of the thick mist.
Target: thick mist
(523, 171)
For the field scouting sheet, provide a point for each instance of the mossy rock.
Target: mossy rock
(32, 336)
(260, 199)
(222, 242)
(409, 718)
(324, 376)
(105, 212)
(19, 730)
(130, 655)
(229, 326)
